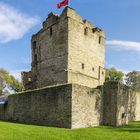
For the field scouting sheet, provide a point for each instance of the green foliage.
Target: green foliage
(133, 80)
(114, 75)
(11, 131)
(10, 80)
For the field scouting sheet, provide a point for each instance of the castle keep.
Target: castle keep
(67, 49)
(65, 87)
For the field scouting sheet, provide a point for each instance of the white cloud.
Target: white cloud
(13, 23)
(124, 45)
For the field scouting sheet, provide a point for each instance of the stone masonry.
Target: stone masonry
(134, 106)
(59, 52)
(73, 106)
(115, 104)
(67, 106)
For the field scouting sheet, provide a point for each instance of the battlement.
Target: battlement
(68, 12)
(51, 20)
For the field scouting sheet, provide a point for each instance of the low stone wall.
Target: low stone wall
(49, 106)
(115, 104)
(134, 107)
(74, 106)
(3, 112)
(122, 104)
(137, 106)
(109, 103)
(86, 107)
(68, 106)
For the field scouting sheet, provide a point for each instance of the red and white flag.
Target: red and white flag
(63, 3)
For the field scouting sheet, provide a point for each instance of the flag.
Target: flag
(63, 3)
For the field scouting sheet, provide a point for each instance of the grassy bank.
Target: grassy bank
(11, 131)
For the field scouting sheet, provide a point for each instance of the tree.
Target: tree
(133, 80)
(10, 80)
(114, 75)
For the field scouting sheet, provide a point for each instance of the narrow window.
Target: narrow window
(86, 31)
(123, 115)
(51, 31)
(83, 66)
(34, 45)
(93, 69)
(35, 59)
(100, 39)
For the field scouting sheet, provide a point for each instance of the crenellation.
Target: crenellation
(88, 24)
(50, 21)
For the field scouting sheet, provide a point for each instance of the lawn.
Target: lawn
(12, 131)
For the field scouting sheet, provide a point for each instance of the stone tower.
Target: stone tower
(67, 49)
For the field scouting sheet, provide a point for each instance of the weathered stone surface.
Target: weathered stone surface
(68, 106)
(86, 107)
(50, 106)
(137, 107)
(84, 49)
(134, 106)
(74, 106)
(26, 80)
(115, 104)
(67, 49)
(3, 112)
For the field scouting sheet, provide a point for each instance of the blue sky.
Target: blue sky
(120, 19)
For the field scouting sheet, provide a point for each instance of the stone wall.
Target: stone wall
(134, 108)
(74, 106)
(49, 52)
(115, 104)
(110, 103)
(68, 106)
(122, 104)
(3, 112)
(83, 37)
(49, 106)
(86, 107)
(137, 106)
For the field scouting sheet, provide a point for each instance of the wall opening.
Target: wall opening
(83, 66)
(100, 39)
(51, 31)
(86, 31)
(35, 59)
(123, 115)
(34, 45)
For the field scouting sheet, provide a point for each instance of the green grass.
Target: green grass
(12, 131)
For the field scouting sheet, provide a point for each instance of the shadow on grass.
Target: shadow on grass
(133, 127)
